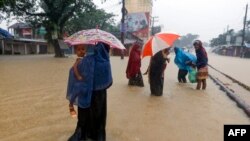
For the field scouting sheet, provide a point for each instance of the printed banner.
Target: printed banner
(138, 24)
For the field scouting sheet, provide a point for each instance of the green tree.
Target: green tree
(220, 40)
(186, 40)
(51, 13)
(91, 19)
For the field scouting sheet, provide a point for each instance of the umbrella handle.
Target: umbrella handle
(97, 27)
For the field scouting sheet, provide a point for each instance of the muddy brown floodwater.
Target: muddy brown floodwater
(238, 68)
(33, 105)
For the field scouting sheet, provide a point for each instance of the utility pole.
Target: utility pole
(228, 36)
(153, 22)
(243, 34)
(152, 28)
(123, 27)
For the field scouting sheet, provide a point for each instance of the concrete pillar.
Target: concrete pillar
(37, 49)
(3, 47)
(25, 49)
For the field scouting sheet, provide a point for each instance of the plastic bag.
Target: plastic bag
(192, 75)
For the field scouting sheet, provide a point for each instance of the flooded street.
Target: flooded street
(235, 67)
(33, 104)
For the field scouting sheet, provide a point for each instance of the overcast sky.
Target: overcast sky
(208, 18)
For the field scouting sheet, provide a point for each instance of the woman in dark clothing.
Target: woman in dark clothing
(133, 71)
(156, 72)
(98, 115)
(201, 64)
(92, 119)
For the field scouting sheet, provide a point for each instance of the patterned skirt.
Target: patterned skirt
(202, 73)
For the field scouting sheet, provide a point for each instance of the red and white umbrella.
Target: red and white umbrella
(92, 36)
(159, 42)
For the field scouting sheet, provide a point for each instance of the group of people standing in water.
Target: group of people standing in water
(155, 71)
(91, 76)
(185, 61)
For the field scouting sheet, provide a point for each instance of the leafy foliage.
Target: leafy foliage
(221, 39)
(186, 40)
(92, 18)
(54, 14)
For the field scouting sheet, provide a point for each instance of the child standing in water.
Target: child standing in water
(80, 52)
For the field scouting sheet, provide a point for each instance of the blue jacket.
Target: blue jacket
(182, 57)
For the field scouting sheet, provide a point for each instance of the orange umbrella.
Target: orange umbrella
(159, 42)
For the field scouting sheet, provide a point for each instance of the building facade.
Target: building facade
(26, 40)
(135, 6)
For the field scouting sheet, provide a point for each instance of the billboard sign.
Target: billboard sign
(138, 24)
